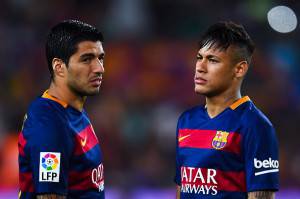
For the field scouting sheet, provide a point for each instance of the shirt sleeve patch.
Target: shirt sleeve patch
(49, 167)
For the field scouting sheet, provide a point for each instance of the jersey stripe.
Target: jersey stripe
(81, 180)
(85, 140)
(21, 144)
(47, 96)
(196, 138)
(239, 102)
(26, 183)
(216, 157)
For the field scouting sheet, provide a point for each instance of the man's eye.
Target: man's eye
(199, 57)
(86, 60)
(213, 60)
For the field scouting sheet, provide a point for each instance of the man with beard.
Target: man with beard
(59, 153)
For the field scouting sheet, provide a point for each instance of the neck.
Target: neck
(64, 94)
(216, 104)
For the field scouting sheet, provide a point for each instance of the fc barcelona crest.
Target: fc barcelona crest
(220, 139)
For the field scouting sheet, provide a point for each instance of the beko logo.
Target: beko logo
(269, 164)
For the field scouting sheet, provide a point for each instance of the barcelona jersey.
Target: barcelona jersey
(226, 156)
(59, 152)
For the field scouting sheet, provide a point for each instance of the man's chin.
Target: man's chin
(93, 92)
(90, 92)
(199, 91)
(203, 92)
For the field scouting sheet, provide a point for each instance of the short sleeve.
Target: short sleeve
(261, 157)
(49, 149)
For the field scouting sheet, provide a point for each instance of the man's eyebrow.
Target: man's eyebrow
(91, 55)
(86, 55)
(209, 56)
(212, 56)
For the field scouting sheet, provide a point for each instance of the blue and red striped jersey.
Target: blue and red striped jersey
(59, 152)
(226, 156)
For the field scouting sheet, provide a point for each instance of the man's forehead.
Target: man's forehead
(90, 47)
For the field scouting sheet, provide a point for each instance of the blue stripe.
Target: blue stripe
(93, 154)
(23, 165)
(221, 160)
(78, 121)
(27, 195)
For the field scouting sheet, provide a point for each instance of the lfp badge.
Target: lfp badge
(220, 140)
(49, 167)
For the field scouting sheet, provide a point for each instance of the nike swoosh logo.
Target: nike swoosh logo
(83, 141)
(183, 137)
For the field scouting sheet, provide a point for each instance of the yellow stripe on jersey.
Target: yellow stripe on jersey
(239, 102)
(47, 96)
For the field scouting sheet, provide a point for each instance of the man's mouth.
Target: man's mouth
(96, 82)
(199, 80)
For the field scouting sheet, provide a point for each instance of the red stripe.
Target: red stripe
(21, 144)
(25, 181)
(80, 180)
(85, 140)
(196, 138)
(232, 181)
(225, 180)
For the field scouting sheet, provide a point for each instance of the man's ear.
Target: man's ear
(241, 69)
(59, 67)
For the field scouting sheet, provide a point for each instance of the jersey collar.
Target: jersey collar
(47, 96)
(239, 102)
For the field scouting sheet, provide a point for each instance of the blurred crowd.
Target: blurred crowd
(151, 51)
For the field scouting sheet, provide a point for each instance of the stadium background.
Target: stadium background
(150, 56)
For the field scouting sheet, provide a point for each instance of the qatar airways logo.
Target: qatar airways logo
(198, 181)
(98, 177)
(269, 165)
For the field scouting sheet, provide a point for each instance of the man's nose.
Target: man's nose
(99, 67)
(201, 66)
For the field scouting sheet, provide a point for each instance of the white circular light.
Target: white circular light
(282, 19)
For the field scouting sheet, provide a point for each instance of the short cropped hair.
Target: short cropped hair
(63, 39)
(224, 34)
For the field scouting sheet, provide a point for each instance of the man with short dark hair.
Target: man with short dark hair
(227, 148)
(59, 153)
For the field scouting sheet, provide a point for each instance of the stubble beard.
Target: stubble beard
(81, 92)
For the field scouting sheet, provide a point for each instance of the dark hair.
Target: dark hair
(63, 39)
(224, 34)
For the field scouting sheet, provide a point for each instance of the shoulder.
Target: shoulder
(42, 108)
(192, 113)
(252, 116)
(46, 122)
(256, 125)
(44, 115)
